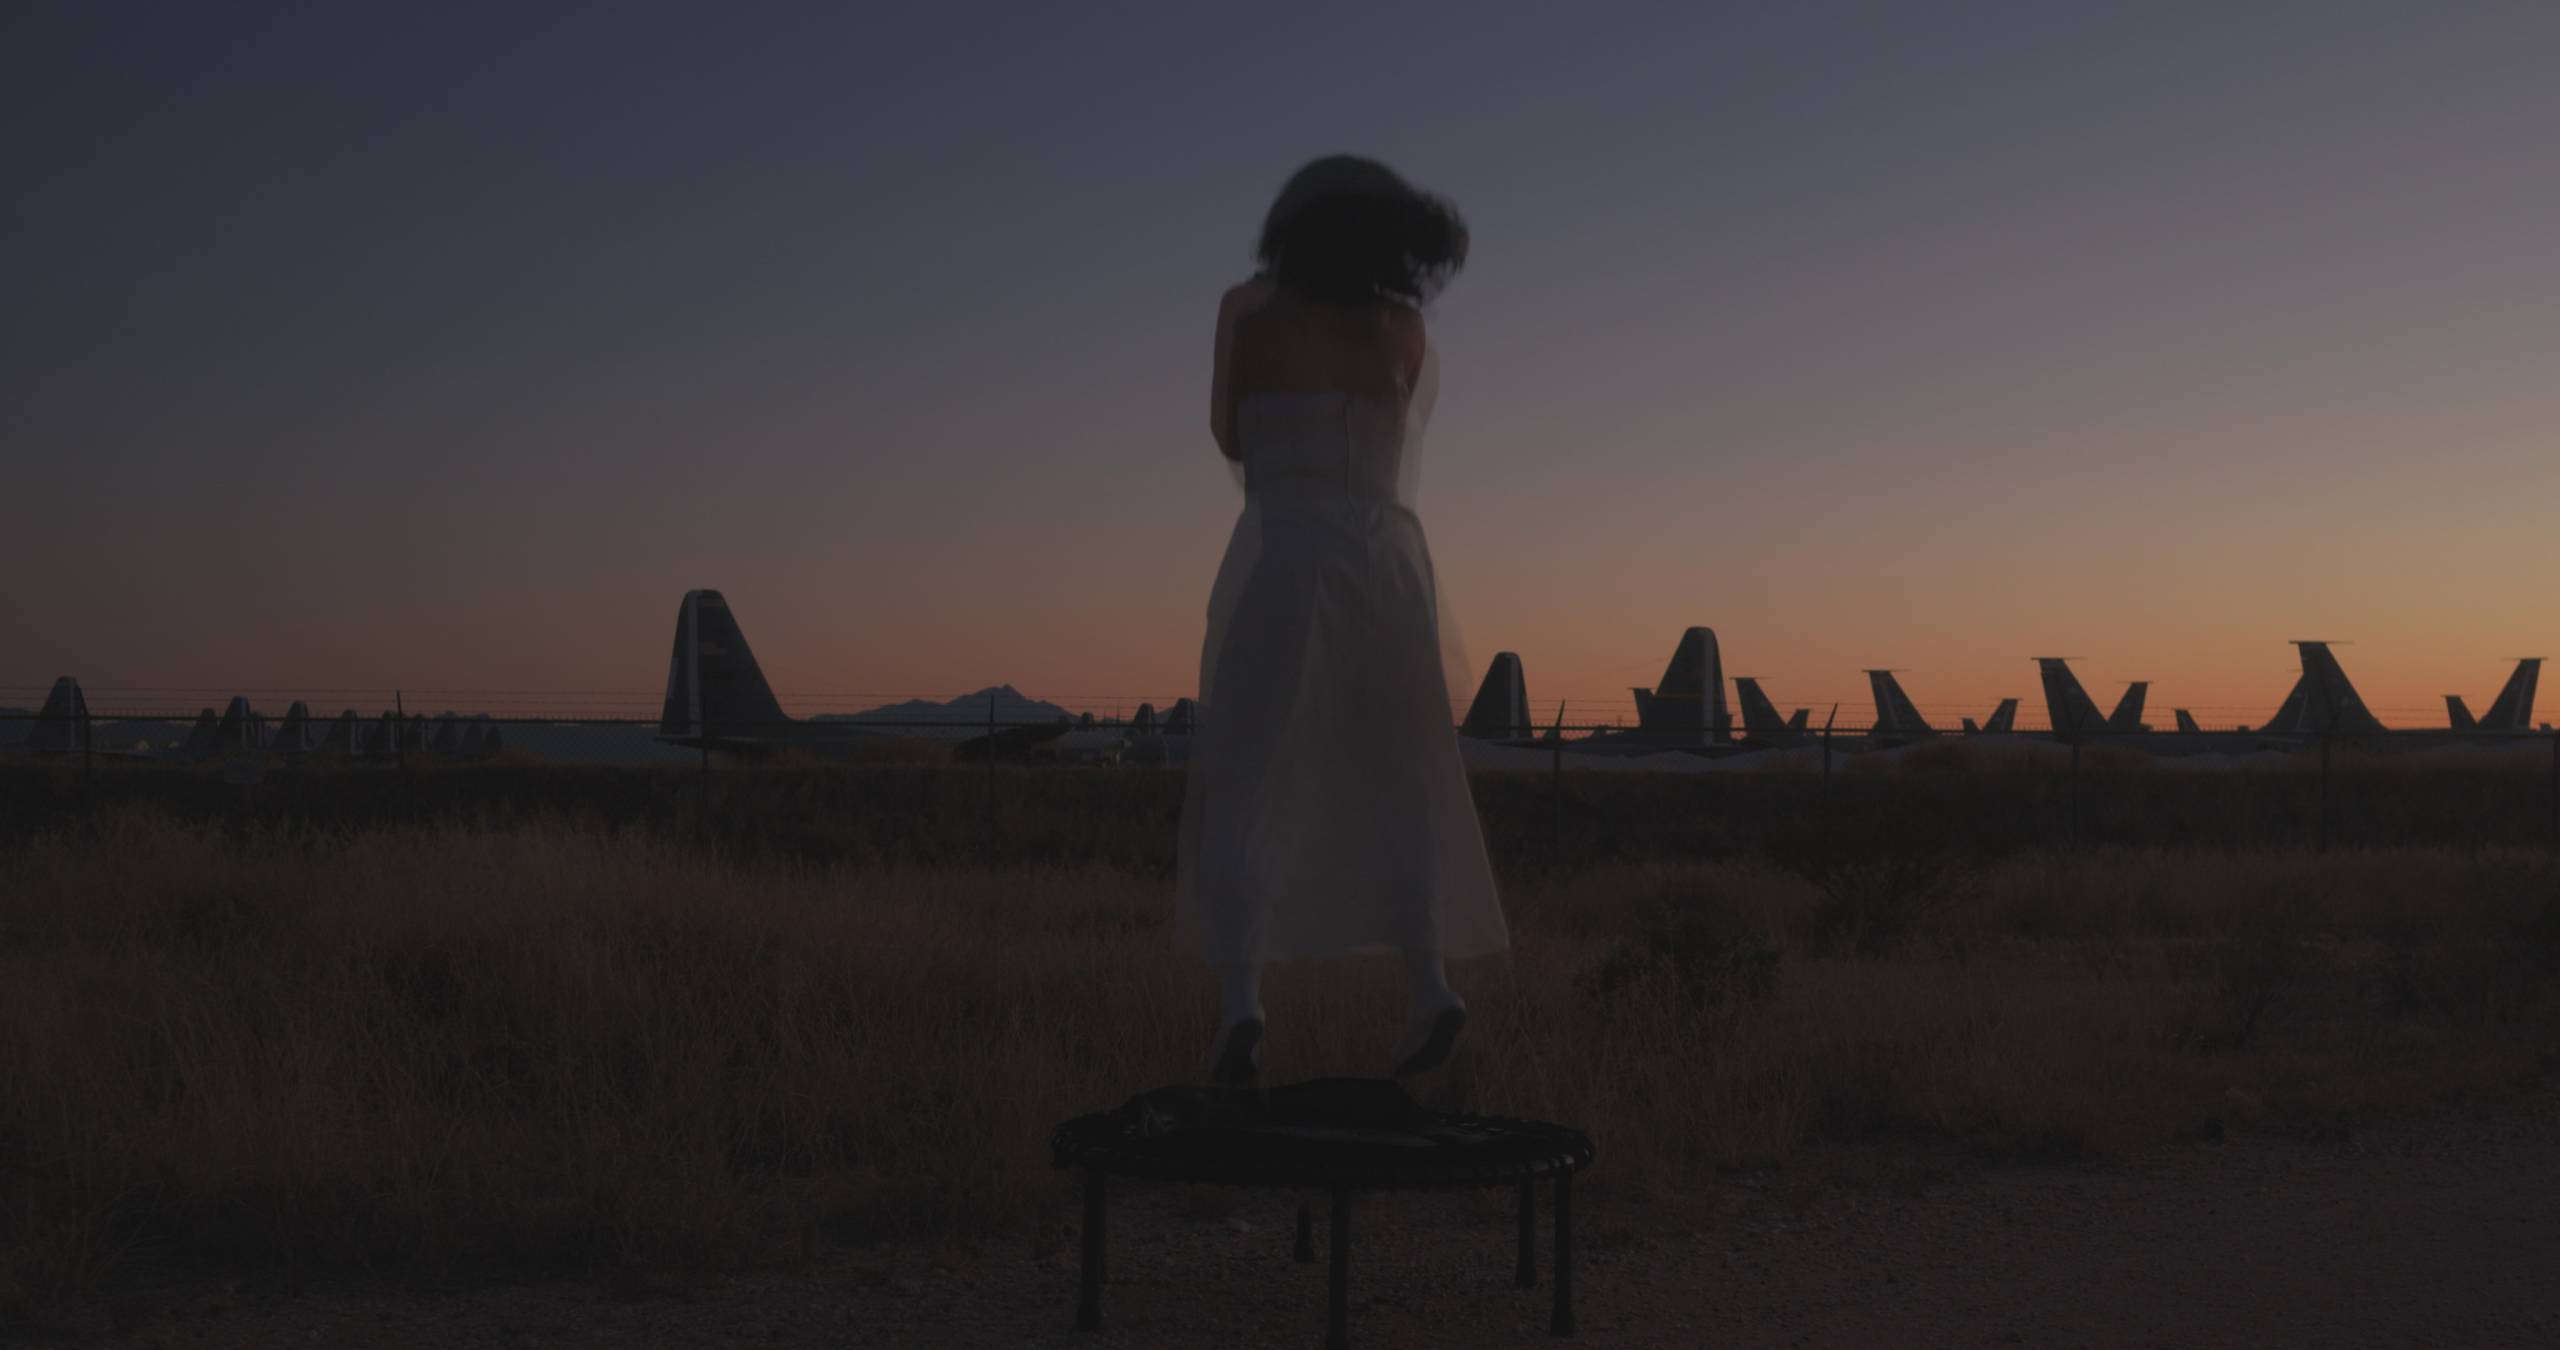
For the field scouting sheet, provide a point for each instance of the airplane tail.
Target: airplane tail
(2067, 707)
(2331, 703)
(1895, 714)
(1501, 708)
(1180, 720)
(2513, 710)
(2187, 722)
(1689, 703)
(2004, 719)
(1760, 719)
(62, 725)
(241, 731)
(345, 737)
(204, 736)
(2128, 713)
(2288, 719)
(1799, 721)
(1143, 722)
(713, 681)
(1971, 728)
(293, 734)
(2457, 715)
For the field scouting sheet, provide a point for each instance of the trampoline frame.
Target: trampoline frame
(1102, 1145)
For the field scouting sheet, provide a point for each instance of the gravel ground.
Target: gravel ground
(2445, 1233)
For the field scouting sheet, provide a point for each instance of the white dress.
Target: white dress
(1327, 811)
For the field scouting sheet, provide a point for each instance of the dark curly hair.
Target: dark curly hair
(1349, 230)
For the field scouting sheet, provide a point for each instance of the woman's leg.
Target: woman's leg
(1426, 981)
(1236, 1056)
(1434, 1015)
(1240, 992)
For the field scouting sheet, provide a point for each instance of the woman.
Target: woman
(1327, 812)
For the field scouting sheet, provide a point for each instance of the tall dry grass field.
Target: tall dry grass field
(548, 1044)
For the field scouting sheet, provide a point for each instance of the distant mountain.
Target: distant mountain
(1013, 707)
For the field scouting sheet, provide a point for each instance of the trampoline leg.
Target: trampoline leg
(1563, 1323)
(1337, 1318)
(1305, 1252)
(1089, 1300)
(1526, 1277)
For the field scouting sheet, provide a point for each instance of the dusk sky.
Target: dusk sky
(446, 346)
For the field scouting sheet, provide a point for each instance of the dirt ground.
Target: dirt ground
(2441, 1233)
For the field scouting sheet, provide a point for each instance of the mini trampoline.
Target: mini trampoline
(1336, 1135)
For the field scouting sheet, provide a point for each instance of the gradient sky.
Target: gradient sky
(445, 346)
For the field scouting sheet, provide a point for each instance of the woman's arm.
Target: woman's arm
(1239, 301)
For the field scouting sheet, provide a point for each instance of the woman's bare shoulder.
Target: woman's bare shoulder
(1245, 297)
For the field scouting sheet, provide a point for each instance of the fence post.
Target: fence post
(991, 777)
(2324, 790)
(702, 793)
(2071, 799)
(400, 747)
(1555, 794)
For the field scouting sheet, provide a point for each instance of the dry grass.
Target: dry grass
(555, 1044)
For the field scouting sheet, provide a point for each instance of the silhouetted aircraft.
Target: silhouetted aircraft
(2073, 715)
(717, 697)
(1501, 708)
(1687, 708)
(295, 736)
(1897, 720)
(1761, 725)
(62, 726)
(2003, 720)
(2513, 708)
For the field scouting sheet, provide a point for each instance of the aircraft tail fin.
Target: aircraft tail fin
(345, 737)
(2330, 702)
(2458, 715)
(1180, 720)
(1501, 709)
(62, 725)
(242, 731)
(2513, 710)
(2288, 719)
(2128, 713)
(1895, 713)
(1688, 707)
(293, 734)
(2004, 719)
(205, 736)
(1760, 720)
(1971, 728)
(713, 681)
(1143, 722)
(2187, 722)
(2067, 707)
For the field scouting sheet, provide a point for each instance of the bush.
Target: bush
(1695, 943)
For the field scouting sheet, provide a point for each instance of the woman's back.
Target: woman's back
(1289, 346)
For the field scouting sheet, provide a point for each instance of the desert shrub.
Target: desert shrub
(1693, 941)
(1873, 906)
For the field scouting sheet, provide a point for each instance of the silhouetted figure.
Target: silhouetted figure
(1328, 811)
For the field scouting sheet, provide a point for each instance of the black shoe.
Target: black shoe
(1436, 1039)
